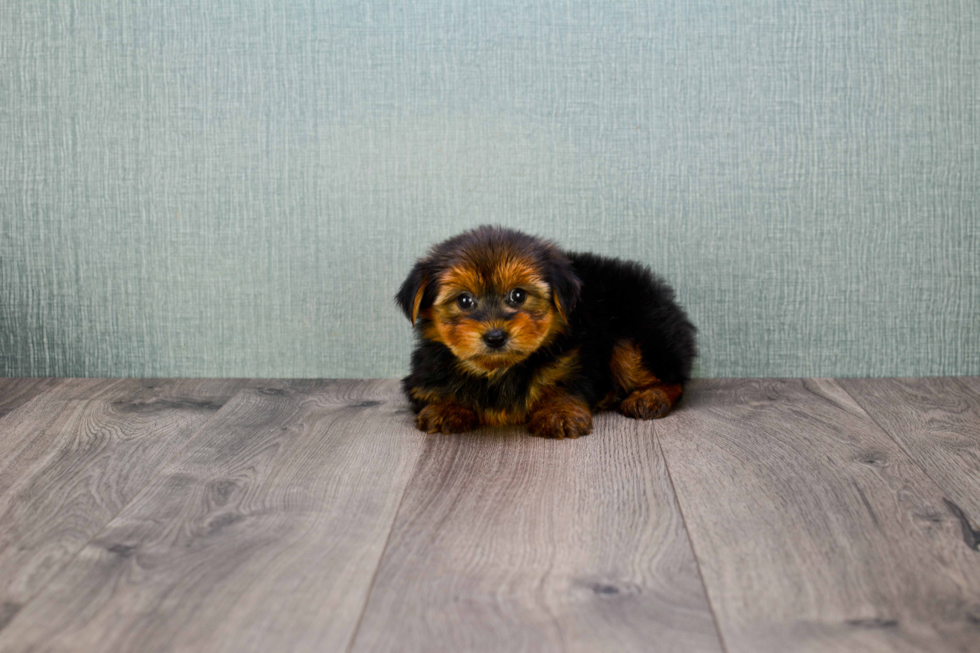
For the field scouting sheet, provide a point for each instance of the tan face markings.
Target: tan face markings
(516, 273)
(457, 280)
(429, 329)
(462, 335)
(509, 274)
(527, 332)
(528, 325)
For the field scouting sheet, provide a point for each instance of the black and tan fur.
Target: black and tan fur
(589, 333)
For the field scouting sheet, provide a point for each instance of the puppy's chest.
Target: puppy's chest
(500, 402)
(511, 399)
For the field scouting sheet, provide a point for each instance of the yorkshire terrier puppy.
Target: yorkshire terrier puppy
(512, 330)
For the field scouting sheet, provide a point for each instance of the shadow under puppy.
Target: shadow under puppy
(511, 330)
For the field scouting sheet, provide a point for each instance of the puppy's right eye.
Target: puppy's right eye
(465, 301)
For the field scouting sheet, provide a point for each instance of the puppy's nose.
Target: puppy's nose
(495, 338)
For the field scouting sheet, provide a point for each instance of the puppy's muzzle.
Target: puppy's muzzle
(495, 338)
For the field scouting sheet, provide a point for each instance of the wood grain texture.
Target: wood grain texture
(71, 458)
(506, 542)
(263, 536)
(17, 391)
(813, 529)
(937, 422)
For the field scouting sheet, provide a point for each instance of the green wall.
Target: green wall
(237, 187)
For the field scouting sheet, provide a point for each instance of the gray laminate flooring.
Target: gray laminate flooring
(271, 515)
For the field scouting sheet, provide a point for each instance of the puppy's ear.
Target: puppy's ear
(566, 287)
(412, 296)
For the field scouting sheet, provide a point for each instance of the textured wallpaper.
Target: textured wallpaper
(237, 187)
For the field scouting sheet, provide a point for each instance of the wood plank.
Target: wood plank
(937, 422)
(506, 542)
(263, 535)
(813, 529)
(17, 391)
(72, 457)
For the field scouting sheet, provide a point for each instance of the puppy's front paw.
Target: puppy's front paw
(446, 418)
(568, 419)
(648, 403)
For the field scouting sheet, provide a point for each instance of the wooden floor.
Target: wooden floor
(267, 516)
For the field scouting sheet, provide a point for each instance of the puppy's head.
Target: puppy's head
(493, 296)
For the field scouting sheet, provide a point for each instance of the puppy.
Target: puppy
(511, 330)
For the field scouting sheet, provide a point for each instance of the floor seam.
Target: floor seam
(902, 448)
(690, 542)
(384, 550)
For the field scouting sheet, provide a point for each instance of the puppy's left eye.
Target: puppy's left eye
(517, 296)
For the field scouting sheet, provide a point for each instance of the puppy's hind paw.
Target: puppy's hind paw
(649, 403)
(446, 418)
